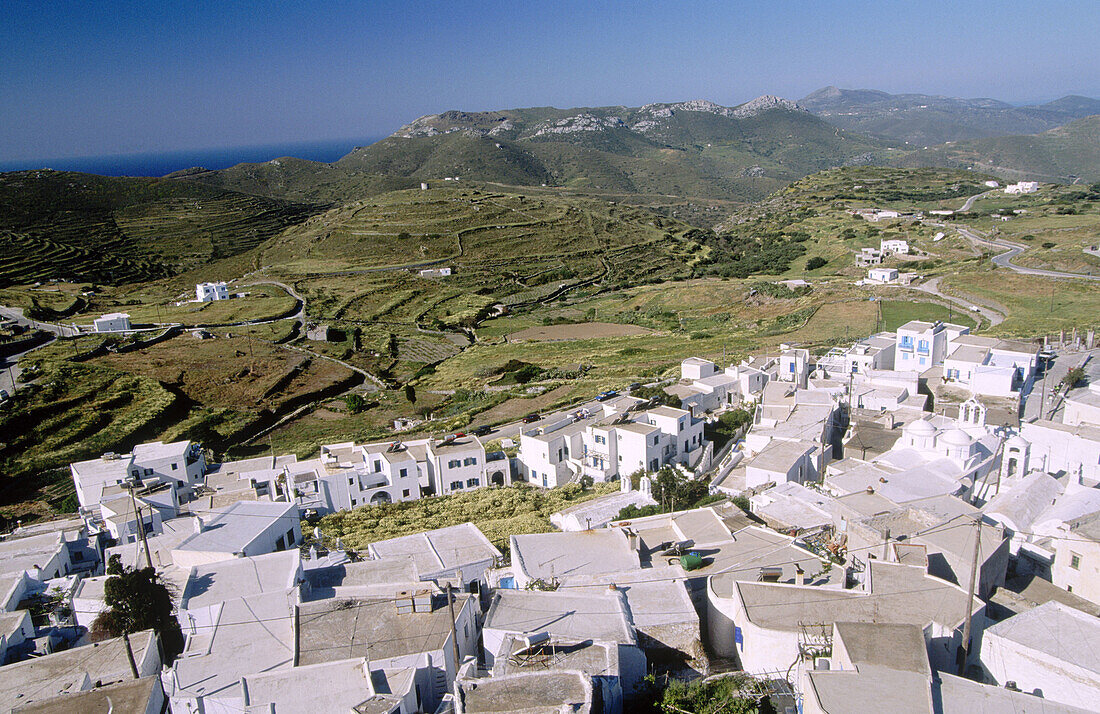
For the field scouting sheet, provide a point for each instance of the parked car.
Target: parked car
(531, 418)
(604, 396)
(634, 385)
(3, 395)
(482, 430)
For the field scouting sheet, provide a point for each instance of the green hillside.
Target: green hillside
(921, 120)
(84, 227)
(1063, 155)
(692, 149)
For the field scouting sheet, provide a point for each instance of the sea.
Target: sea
(161, 163)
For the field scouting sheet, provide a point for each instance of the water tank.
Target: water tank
(691, 561)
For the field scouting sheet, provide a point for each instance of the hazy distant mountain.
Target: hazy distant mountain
(1064, 154)
(923, 120)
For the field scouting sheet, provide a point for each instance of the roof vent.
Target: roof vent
(870, 491)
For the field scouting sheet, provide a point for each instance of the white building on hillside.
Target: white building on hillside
(113, 322)
(882, 276)
(1022, 187)
(209, 292)
(894, 246)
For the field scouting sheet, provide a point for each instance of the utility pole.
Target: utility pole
(970, 594)
(454, 630)
(1043, 399)
(141, 526)
(130, 655)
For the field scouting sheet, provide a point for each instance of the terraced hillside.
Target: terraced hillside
(118, 230)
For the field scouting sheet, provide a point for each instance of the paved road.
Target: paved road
(1012, 250)
(932, 287)
(970, 201)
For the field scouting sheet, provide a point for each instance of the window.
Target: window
(454, 463)
(790, 367)
(654, 441)
(405, 493)
(351, 481)
(377, 465)
(148, 472)
(681, 425)
(922, 347)
(559, 454)
(545, 482)
(469, 461)
(472, 483)
(175, 467)
(290, 537)
(354, 502)
(600, 439)
(279, 545)
(1074, 561)
(922, 361)
(403, 473)
(456, 485)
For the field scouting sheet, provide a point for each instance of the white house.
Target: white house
(697, 368)
(794, 366)
(863, 357)
(181, 464)
(921, 345)
(346, 476)
(113, 322)
(1083, 406)
(1077, 557)
(435, 272)
(764, 625)
(74, 671)
(613, 447)
(408, 630)
(991, 184)
(1022, 187)
(895, 246)
(882, 275)
(991, 367)
(209, 292)
(1048, 650)
(450, 552)
(245, 528)
(868, 256)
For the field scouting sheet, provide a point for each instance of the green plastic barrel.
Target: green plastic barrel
(691, 561)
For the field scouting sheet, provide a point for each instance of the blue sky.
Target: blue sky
(93, 78)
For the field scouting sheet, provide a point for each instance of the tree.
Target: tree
(137, 600)
(410, 393)
(816, 262)
(354, 403)
(392, 347)
(1072, 377)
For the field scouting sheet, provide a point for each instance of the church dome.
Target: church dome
(920, 427)
(957, 437)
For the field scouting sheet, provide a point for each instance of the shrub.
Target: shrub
(816, 262)
(1048, 244)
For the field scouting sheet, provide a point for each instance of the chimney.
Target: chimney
(799, 575)
(197, 521)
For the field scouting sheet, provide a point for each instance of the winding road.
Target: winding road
(1012, 250)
